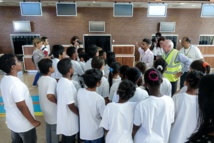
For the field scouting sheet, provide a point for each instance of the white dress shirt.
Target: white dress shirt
(146, 57)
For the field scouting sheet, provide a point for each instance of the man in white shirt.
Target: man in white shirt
(146, 55)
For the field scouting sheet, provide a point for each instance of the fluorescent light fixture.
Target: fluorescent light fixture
(167, 27)
(207, 10)
(157, 10)
(66, 9)
(123, 10)
(31, 8)
(96, 26)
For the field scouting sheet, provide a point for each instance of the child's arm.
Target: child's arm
(52, 98)
(26, 113)
(73, 108)
(134, 131)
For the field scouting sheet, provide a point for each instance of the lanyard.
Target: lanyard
(187, 51)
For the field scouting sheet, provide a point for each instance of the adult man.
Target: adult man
(174, 60)
(190, 51)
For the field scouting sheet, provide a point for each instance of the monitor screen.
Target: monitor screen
(157, 10)
(31, 8)
(123, 10)
(96, 26)
(21, 26)
(66, 9)
(207, 10)
(167, 27)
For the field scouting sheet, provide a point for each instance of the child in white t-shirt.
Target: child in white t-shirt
(91, 106)
(67, 111)
(186, 109)
(17, 102)
(153, 117)
(118, 117)
(92, 52)
(48, 99)
(113, 76)
(58, 53)
(82, 60)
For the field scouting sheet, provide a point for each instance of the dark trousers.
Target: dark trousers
(25, 137)
(36, 78)
(174, 87)
(68, 139)
(182, 79)
(100, 140)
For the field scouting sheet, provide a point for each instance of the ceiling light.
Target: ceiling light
(1, 0)
(93, 1)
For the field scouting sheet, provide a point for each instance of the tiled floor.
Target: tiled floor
(27, 78)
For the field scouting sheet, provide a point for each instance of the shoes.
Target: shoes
(35, 86)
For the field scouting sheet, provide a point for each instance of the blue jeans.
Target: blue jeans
(36, 78)
(25, 137)
(100, 140)
(51, 136)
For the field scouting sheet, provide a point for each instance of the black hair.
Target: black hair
(6, 62)
(154, 40)
(82, 55)
(73, 39)
(101, 52)
(57, 50)
(92, 51)
(70, 51)
(134, 75)
(160, 39)
(187, 39)
(147, 41)
(126, 90)
(110, 54)
(114, 69)
(158, 34)
(44, 65)
(64, 66)
(200, 65)
(123, 70)
(141, 66)
(92, 77)
(43, 39)
(153, 77)
(110, 60)
(161, 65)
(205, 123)
(80, 50)
(193, 77)
(97, 62)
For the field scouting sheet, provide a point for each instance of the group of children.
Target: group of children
(129, 104)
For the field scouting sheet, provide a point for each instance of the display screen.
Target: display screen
(123, 10)
(31, 8)
(66, 9)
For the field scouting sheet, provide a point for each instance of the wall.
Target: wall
(123, 30)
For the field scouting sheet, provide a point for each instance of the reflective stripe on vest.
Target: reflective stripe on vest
(172, 67)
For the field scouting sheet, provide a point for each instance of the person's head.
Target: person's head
(185, 42)
(92, 78)
(114, 70)
(152, 78)
(45, 41)
(80, 50)
(154, 43)
(72, 52)
(200, 65)
(205, 123)
(110, 54)
(102, 54)
(126, 90)
(64, 66)
(192, 79)
(45, 66)
(141, 66)
(10, 63)
(58, 51)
(82, 57)
(110, 60)
(93, 51)
(74, 39)
(161, 65)
(167, 46)
(122, 72)
(146, 43)
(158, 35)
(98, 63)
(134, 75)
(160, 42)
(37, 42)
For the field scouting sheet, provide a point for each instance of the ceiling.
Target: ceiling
(189, 4)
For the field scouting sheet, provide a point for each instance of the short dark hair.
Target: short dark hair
(92, 77)
(43, 39)
(110, 54)
(64, 66)
(110, 60)
(80, 50)
(126, 90)
(158, 34)
(141, 66)
(101, 52)
(70, 51)
(123, 70)
(133, 74)
(187, 39)
(6, 61)
(92, 51)
(97, 62)
(147, 41)
(44, 65)
(57, 50)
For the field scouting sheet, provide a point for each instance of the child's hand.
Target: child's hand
(36, 123)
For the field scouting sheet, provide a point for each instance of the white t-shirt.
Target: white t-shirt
(118, 120)
(88, 65)
(113, 89)
(166, 87)
(114, 80)
(82, 64)
(192, 52)
(76, 85)
(14, 90)
(103, 89)
(186, 116)
(47, 85)
(106, 71)
(154, 116)
(91, 107)
(67, 121)
(157, 51)
(56, 73)
(77, 71)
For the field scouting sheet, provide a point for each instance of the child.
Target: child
(82, 60)
(47, 99)
(142, 67)
(102, 54)
(45, 47)
(17, 102)
(118, 117)
(165, 87)
(109, 61)
(58, 53)
(91, 107)
(153, 116)
(186, 109)
(92, 52)
(71, 52)
(103, 89)
(114, 73)
(67, 112)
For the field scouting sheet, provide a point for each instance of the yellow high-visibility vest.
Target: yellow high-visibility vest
(172, 67)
